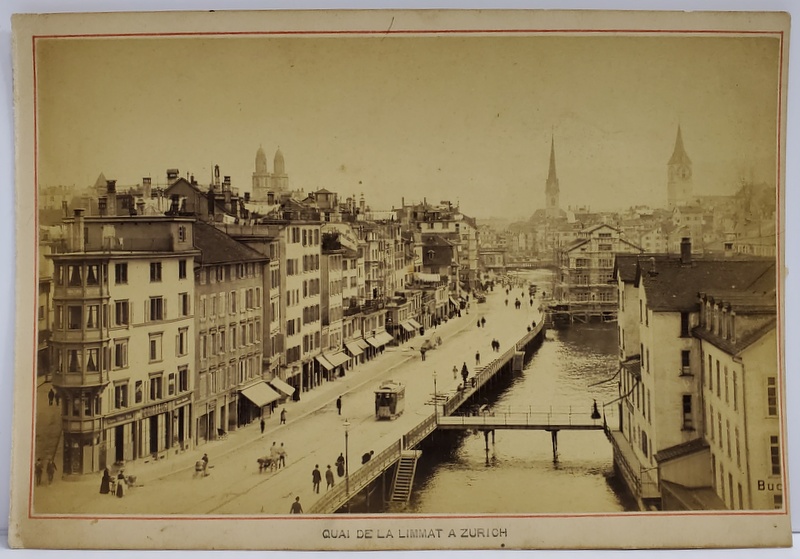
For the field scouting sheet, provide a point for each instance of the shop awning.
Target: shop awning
(354, 348)
(380, 339)
(282, 386)
(322, 360)
(362, 343)
(414, 323)
(338, 358)
(260, 394)
(453, 301)
(407, 326)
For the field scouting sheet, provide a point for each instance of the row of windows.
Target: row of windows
(224, 377)
(309, 237)
(311, 287)
(154, 387)
(714, 433)
(310, 264)
(311, 342)
(728, 388)
(77, 275)
(221, 304)
(219, 274)
(311, 314)
(219, 342)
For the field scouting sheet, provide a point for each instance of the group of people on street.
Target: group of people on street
(39, 468)
(201, 466)
(495, 346)
(110, 485)
(482, 322)
(53, 396)
(316, 478)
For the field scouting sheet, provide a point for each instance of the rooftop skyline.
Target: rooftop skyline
(465, 119)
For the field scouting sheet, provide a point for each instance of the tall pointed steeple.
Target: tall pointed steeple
(679, 155)
(679, 175)
(551, 174)
(551, 190)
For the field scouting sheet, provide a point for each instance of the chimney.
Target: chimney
(226, 183)
(686, 251)
(653, 271)
(173, 175)
(216, 175)
(147, 188)
(111, 204)
(78, 240)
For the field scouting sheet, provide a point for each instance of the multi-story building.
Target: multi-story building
(585, 273)
(660, 409)
(121, 343)
(231, 281)
(741, 399)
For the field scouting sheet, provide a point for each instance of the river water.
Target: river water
(518, 473)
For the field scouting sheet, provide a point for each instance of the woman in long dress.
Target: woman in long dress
(105, 485)
(120, 484)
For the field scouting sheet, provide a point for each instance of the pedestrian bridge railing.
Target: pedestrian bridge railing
(527, 418)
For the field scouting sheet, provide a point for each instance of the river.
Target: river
(518, 474)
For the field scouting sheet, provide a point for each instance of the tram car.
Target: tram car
(390, 400)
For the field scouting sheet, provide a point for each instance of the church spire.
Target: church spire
(551, 174)
(679, 156)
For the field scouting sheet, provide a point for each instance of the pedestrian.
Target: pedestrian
(51, 471)
(274, 456)
(464, 373)
(506, 302)
(38, 468)
(483, 321)
(283, 416)
(477, 358)
(263, 425)
(281, 456)
(297, 508)
(367, 456)
(339, 405)
(316, 477)
(479, 324)
(422, 353)
(340, 465)
(120, 484)
(58, 399)
(329, 477)
(455, 371)
(105, 484)
(51, 396)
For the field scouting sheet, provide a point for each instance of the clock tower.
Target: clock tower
(679, 175)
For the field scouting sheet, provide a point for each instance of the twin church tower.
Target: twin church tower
(679, 179)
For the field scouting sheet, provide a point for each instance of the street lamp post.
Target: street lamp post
(347, 462)
(435, 400)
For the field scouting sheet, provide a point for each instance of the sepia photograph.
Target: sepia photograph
(400, 280)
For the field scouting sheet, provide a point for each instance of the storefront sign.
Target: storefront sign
(155, 409)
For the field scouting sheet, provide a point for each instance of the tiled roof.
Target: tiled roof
(680, 450)
(218, 248)
(625, 266)
(673, 286)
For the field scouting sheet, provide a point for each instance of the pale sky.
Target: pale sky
(464, 119)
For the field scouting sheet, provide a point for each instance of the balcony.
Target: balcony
(80, 379)
(81, 425)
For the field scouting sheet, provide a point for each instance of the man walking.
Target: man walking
(281, 456)
(263, 425)
(316, 477)
(38, 468)
(51, 396)
(477, 358)
(274, 457)
(51, 471)
(339, 405)
(464, 373)
(455, 372)
(329, 477)
(283, 416)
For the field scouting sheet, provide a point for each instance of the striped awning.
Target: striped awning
(362, 343)
(414, 323)
(407, 326)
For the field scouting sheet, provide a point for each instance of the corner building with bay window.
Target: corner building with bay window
(122, 354)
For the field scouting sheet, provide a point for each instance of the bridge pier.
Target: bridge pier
(554, 439)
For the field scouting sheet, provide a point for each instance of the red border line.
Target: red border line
(756, 513)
